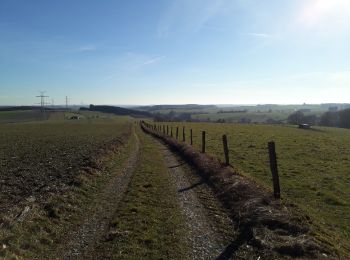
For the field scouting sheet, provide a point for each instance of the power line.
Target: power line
(42, 102)
(67, 100)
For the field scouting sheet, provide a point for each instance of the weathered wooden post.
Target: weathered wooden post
(163, 129)
(183, 134)
(203, 141)
(191, 137)
(171, 131)
(274, 170)
(167, 130)
(224, 142)
(177, 132)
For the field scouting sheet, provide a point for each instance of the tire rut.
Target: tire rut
(82, 241)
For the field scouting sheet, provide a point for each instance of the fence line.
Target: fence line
(271, 151)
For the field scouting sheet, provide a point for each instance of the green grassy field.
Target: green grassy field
(314, 168)
(237, 117)
(20, 116)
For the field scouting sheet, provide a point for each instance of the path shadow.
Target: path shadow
(178, 165)
(191, 187)
(234, 246)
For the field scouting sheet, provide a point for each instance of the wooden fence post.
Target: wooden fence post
(191, 137)
(274, 170)
(203, 141)
(171, 131)
(183, 134)
(224, 141)
(167, 130)
(177, 132)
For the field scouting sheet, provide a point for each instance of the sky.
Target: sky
(136, 52)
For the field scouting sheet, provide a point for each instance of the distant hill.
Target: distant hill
(169, 107)
(118, 111)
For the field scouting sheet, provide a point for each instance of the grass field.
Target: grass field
(41, 163)
(313, 164)
(237, 117)
(20, 116)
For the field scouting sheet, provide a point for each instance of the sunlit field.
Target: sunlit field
(313, 165)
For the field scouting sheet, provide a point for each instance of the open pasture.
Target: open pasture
(313, 166)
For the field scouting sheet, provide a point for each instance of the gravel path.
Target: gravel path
(81, 242)
(206, 241)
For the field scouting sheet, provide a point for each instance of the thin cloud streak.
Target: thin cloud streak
(87, 48)
(149, 62)
(189, 15)
(259, 35)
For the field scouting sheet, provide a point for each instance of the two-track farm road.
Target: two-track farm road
(155, 209)
(80, 242)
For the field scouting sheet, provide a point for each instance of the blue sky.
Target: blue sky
(175, 51)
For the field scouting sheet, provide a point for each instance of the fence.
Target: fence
(164, 129)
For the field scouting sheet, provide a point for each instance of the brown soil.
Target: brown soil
(80, 243)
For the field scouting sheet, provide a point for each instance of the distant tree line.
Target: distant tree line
(330, 118)
(231, 111)
(173, 117)
(117, 111)
(336, 118)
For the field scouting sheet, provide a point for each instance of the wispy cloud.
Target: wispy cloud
(87, 48)
(149, 61)
(258, 35)
(131, 61)
(189, 15)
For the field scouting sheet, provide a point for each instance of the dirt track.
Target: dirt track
(211, 233)
(198, 206)
(200, 209)
(80, 243)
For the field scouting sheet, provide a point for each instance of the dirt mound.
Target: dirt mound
(271, 227)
